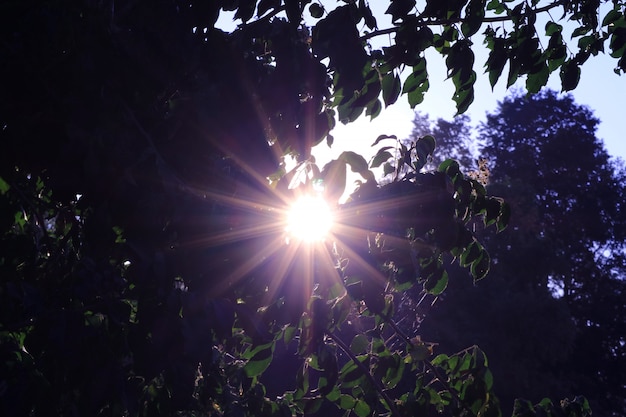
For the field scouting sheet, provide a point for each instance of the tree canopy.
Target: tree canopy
(143, 187)
(553, 300)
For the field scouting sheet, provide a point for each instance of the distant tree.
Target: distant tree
(553, 301)
(454, 139)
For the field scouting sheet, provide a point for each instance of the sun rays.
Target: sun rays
(288, 250)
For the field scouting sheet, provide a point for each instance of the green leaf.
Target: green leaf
(480, 267)
(418, 77)
(346, 402)
(4, 186)
(382, 137)
(357, 164)
(289, 333)
(259, 361)
(552, 28)
(417, 96)
(436, 283)
(416, 84)
(504, 217)
(492, 212)
(302, 380)
(391, 88)
(362, 409)
(394, 371)
(359, 344)
(496, 60)
(382, 156)
(373, 109)
(611, 17)
(312, 405)
(474, 15)
(471, 254)
(425, 146)
(537, 80)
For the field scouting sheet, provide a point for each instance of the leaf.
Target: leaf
(391, 88)
(4, 186)
(265, 5)
(471, 254)
(570, 75)
(362, 409)
(504, 217)
(366, 12)
(552, 28)
(535, 81)
(382, 137)
(312, 405)
(346, 402)
(400, 8)
(579, 31)
(351, 375)
(496, 60)
(416, 84)
(474, 15)
(245, 10)
(611, 17)
(359, 344)
(394, 371)
(492, 211)
(288, 334)
(425, 146)
(480, 267)
(316, 10)
(334, 177)
(357, 163)
(436, 284)
(373, 109)
(381, 157)
(259, 362)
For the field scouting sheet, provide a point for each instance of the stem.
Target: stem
(492, 19)
(366, 372)
(427, 363)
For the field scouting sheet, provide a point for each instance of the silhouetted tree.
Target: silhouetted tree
(454, 139)
(551, 315)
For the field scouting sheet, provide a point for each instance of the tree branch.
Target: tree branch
(439, 22)
(366, 372)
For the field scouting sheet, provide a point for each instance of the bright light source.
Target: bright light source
(309, 219)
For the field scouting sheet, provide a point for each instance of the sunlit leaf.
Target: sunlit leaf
(259, 361)
(382, 156)
(391, 88)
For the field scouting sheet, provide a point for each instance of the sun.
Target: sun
(309, 219)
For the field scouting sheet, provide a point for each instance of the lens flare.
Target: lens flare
(309, 219)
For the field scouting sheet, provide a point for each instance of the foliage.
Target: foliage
(454, 139)
(553, 300)
(144, 270)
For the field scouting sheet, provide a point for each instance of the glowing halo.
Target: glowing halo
(309, 219)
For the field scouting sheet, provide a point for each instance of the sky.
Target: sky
(600, 89)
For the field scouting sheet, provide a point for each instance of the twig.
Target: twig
(366, 372)
(437, 22)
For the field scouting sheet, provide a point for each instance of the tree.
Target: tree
(549, 300)
(137, 218)
(454, 139)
